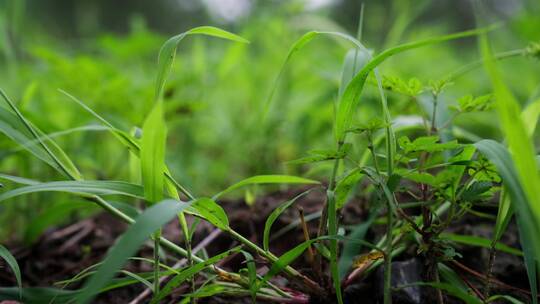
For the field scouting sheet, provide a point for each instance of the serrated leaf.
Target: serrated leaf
(426, 144)
(468, 103)
(345, 185)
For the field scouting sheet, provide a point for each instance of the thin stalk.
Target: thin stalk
(387, 298)
(311, 256)
(489, 272)
(323, 224)
(388, 256)
(157, 236)
(187, 241)
(272, 258)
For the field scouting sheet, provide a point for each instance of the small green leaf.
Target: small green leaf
(345, 185)
(426, 144)
(212, 212)
(468, 103)
(322, 155)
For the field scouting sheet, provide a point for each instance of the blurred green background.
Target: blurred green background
(105, 53)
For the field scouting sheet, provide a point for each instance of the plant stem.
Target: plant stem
(489, 272)
(157, 236)
(388, 256)
(314, 287)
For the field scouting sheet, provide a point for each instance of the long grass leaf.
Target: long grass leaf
(146, 223)
(168, 51)
(520, 146)
(267, 179)
(480, 242)
(273, 217)
(153, 154)
(37, 295)
(78, 187)
(12, 263)
(18, 128)
(525, 219)
(190, 271)
(530, 116)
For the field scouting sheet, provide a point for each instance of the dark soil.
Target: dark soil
(62, 252)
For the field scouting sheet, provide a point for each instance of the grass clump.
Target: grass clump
(416, 180)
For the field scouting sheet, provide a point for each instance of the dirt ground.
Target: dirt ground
(62, 252)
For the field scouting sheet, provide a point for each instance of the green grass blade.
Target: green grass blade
(273, 217)
(480, 242)
(530, 116)
(520, 146)
(455, 291)
(37, 295)
(252, 275)
(508, 299)
(79, 187)
(332, 231)
(129, 142)
(138, 278)
(448, 275)
(122, 136)
(351, 249)
(153, 154)
(189, 272)
(168, 52)
(19, 180)
(266, 179)
(525, 219)
(18, 128)
(504, 214)
(12, 263)
(284, 260)
(146, 223)
(296, 47)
